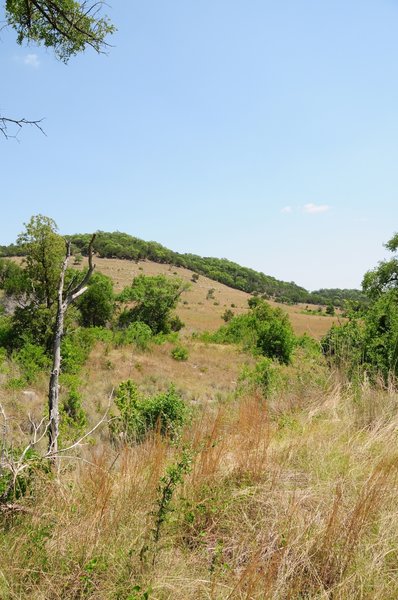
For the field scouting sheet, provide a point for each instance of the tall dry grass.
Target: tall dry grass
(290, 501)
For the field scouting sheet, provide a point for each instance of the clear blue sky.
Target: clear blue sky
(261, 131)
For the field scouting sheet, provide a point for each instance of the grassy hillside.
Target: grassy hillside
(124, 246)
(202, 314)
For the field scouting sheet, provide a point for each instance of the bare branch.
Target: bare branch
(78, 289)
(6, 122)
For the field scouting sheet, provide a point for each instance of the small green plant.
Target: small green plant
(74, 415)
(180, 353)
(137, 593)
(32, 359)
(210, 294)
(139, 414)
(227, 315)
(195, 277)
(136, 333)
(167, 486)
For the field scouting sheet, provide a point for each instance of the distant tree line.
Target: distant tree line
(124, 246)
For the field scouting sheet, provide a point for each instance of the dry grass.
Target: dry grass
(200, 314)
(281, 502)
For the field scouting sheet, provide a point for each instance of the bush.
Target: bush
(264, 377)
(32, 360)
(136, 333)
(139, 414)
(72, 403)
(180, 353)
(154, 297)
(175, 323)
(227, 315)
(264, 330)
(75, 349)
(97, 303)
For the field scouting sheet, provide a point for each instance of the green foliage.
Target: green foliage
(210, 294)
(195, 277)
(72, 410)
(381, 343)
(344, 345)
(168, 484)
(369, 341)
(264, 330)
(154, 297)
(96, 305)
(6, 332)
(139, 414)
(13, 279)
(136, 333)
(66, 26)
(32, 360)
(264, 376)
(33, 323)
(180, 353)
(75, 349)
(45, 252)
(330, 310)
(175, 323)
(137, 593)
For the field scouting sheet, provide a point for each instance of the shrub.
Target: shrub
(180, 353)
(210, 294)
(32, 359)
(264, 377)
(154, 297)
(175, 323)
(72, 403)
(264, 330)
(97, 303)
(227, 315)
(139, 414)
(136, 333)
(76, 348)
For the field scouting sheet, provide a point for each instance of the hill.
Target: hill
(197, 311)
(124, 246)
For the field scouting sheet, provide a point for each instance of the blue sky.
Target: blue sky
(261, 131)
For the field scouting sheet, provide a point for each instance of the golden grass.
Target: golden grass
(292, 501)
(201, 314)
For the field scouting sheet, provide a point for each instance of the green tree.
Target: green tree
(45, 251)
(384, 277)
(97, 303)
(154, 297)
(369, 341)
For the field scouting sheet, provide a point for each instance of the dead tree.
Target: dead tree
(65, 299)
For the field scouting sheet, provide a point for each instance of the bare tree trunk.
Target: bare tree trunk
(63, 303)
(53, 390)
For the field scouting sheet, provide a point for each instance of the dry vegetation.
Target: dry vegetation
(293, 496)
